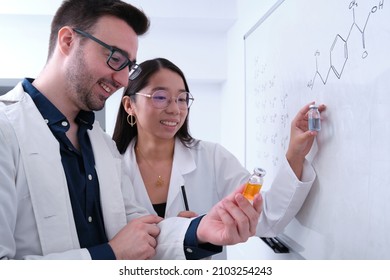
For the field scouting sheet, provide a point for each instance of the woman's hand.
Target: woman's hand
(187, 214)
(301, 139)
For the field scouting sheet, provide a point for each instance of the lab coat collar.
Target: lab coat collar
(183, 159)
(183, 163)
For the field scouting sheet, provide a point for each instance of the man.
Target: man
(62, 191)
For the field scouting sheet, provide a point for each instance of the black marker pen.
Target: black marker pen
(183, 191)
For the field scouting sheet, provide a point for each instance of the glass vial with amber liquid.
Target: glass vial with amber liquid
(254, 183)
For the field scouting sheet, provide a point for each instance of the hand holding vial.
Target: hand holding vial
(302, 137)
(254, 184)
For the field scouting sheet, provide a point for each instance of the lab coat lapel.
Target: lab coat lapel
(49, 194)
(109, 173)
(183, 163)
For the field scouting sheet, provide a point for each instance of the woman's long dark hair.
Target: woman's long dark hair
(123, 131)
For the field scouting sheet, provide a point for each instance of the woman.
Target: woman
(152, 133)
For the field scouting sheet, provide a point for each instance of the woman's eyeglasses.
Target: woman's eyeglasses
(162, 98)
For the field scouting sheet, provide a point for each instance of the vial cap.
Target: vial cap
(259, 171)
(313, 106)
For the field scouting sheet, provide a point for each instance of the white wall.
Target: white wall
(24, 44)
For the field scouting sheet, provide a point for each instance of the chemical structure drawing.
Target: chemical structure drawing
(338, 53)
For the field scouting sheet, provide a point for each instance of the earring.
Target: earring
(132, 121)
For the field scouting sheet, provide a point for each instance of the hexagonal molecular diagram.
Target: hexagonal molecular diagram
(339, 49)
(338, 55)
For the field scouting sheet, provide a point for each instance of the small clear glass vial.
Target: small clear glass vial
(314, 118)
(254, 183)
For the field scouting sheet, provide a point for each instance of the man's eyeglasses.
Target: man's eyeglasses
(117, 59)
(161, 99)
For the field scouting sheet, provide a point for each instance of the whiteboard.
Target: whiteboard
(335, 52)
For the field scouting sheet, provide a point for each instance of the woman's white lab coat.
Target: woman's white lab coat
(209, 172)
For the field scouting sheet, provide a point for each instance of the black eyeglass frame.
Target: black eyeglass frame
(134, 68)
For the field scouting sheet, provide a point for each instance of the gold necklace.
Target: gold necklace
(160, 181)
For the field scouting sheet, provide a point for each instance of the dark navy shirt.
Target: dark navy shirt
(83, 183)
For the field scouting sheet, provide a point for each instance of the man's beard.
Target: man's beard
(80, 83)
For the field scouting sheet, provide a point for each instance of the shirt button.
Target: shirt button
(46, 121)
(189, 250)
(89, 177)
(90, 219)
(64, 123)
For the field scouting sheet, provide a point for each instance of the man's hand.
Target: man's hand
(231, 221)
(137, 240)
